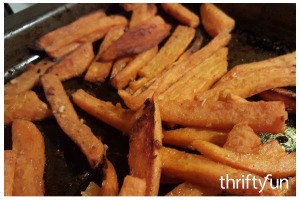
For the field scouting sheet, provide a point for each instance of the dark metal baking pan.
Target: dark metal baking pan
(262, 31)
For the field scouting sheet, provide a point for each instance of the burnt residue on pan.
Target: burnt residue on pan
(259, 34)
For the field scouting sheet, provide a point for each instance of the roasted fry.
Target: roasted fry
(110, 186)
(200, 170)
(9, 171)
(130, 71)
(73, 64)
(198, 79)
(142, 12)
(29, 146)
(60, 33)
(249, 79)
(194, 47)
(133, 186)
(261, 116)
(59, 53)
(98, 71)
(119, 65)
(68, 120)
(144, 144)
(288, 187)
(173, 48)
(269, 158)
(181, 13)
(280, 94)
(95, 24)
(138, 39)
(190, 189)
(183, 137)
(242, 139)
(25, 105)
(28, 79)
(214, 20)
(115, 116)
(166, 79)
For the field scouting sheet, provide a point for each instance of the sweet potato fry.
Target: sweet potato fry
(68, 120)
(119, 65)
(73, 64)
(9, 171)
(123, 77)
(60, 33)
(280, 94)
(57, 54)
(194, 47)
(133, 186)
(172, 49)
(269, 159)
(77, 32)
(190, 189)
(110, 186)
(138, 39)
(200, 170)
(242, 139)
(98, 71)
(183, 137)
(25, 105)
(142, 12)
(261, 116)
(166, 79)
(214, 20)
(144, 144)
(249, 79)
(181, 13)
(29, 146)
(28, 79)
(198, 79)
(92, 190)
(115, 116)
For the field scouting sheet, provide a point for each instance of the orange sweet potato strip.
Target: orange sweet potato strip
(198, 79)
(28, 79)
(181, 13)
(115, 116)
(144, 143)
(200, 170)
(98, 71)
(252, 78)
(129, 73)
(261, 116)
(68, 120)
(73, 64)
(169, 53)
(183, 137)
(58, 34)
(110, 186)
(268, 160)
(242, 139)
(9, 171)
(133, 186)
(214, 20)
(29, 146)
(25, 105)
(142, 12)
(70, 35)
(92, 190)
(138, 39)
(191, 189)
(59, 53)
